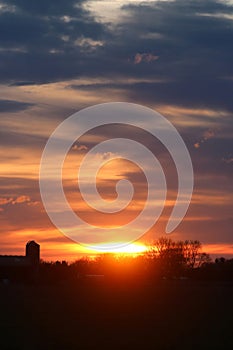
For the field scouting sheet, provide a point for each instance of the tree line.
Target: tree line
(164, 259)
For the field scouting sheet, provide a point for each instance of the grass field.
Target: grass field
(99, 315)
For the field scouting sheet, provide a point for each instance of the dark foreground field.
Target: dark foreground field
(96, 315)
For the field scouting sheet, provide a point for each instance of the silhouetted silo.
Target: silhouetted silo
(33, 252)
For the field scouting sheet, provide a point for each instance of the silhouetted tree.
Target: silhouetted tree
(191, 251)
(175, 258)
(203, 259)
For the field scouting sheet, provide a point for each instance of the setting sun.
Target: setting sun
(132, 248)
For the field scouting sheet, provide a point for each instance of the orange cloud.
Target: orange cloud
(79, 148)
(21, 199)
(218, 249)
(208, 134)
(17, 200)
(4, 201)
(144, 57)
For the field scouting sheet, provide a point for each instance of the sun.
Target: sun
(131, 248)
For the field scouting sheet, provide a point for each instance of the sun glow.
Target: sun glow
(132, 248)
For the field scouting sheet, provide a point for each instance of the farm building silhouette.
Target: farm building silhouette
(23, 268)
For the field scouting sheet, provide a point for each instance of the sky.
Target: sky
(58, 57)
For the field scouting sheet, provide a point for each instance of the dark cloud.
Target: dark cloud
(195, 92)
(44, 7)
(208, 231)
(195, 52)
(52, 41)
(23, 83)
(9, 106)
(43, 41)
(17, 139)
(18, 186)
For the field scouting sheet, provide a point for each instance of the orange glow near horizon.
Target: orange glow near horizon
(72, 252)
(132, 248)
(54, 246)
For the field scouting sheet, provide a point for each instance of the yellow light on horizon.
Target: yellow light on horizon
(132, 248)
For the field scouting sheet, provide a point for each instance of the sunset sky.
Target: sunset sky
(58, 57)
